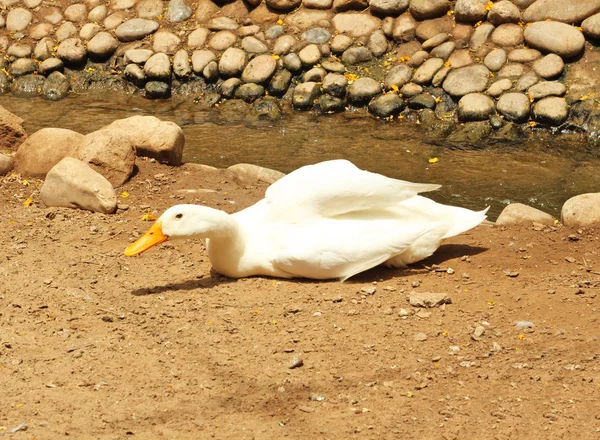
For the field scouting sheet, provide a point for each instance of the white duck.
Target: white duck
(329, 220)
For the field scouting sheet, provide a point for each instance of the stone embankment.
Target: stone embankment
(464, 60)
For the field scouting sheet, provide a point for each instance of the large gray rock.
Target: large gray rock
(102, 45)
(165, 42)
(549, 66)
(73, 184)
(386, 105)
(560, 10)
(201, 59)
(470, 11)
(158, 67)
(151, 137)
(305, 94)
(356, 55)
(581, 210)
(136, 29)
(247, 174)
(232, 62)
(469, 79)
(424, 74)
(44, 149)
(426, 9)
(495, 59)
(508, 34)
(404, 28)
(555, 37)
(591, 26)
(514, 106)
(18, 19)
(504, 12)
(388, 7)
(110, 153)
(363, 90)
(546, 88)
(552, 110)
(398, 76)
(72, 51)
(259, 70)
(56, 86)
(518, 214)
(178, 11)
(12, 132)
(475, 107)
(354, 24)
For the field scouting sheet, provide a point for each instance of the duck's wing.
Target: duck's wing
(343, 249)
(336, 187)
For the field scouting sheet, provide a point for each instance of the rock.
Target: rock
(331, 65)
(22, 66)
(526, 81)
(318, 4)
(246, 31)
(284, 45)
(280, 82)
(335, 84)
(355, 25)
(511, 71)
(274, 32)
(265, 109)
(331, 104)
(157, 90)
(110, 153)
(19, 50)
(178, 11)
(51, 14)
(346, 5)
(254, 45)
(114, 20)
(73, 184)
(552, 110)
(165, 42)
(429, 28)
(426, 9)
(504, 12)
(386, 105)
(403, 28)
(197, 38)
(316, 36)
(7, 164)
(470, 133)
(72, 52)
(591, 26)
(135, 74)
(475, 107)
(259, 70)
(232, 62)
(222, 40)
(424, 74)
(514, 106)
(316, 74)
(468, 79)
(546, 88)
(283, 5)
(305, 94)
(420, 337)
(518, 213)
(201, 59)
(76, 13)
(65, 30)
(470, 11)
(89, 31)
(552, 36)
(581, 210)
(495, 59)
(222, 24)
(481, 35)
(136, 29)
(363, 90)
(398, 76)
(523, 55)
(56, 86)
(43, 50)
(40, 31)
(410, 90)
(227, 88)
(310, 55)
(44, 149)
(422, 101)
(557, 10)
(149, 8)
(12, 133)
(428, 299)
(27, 86)
(292, 62)
(248, 174)
(440, 76)
(249, 92)
(18, 19)
(508, 34)
(356, 55)
(181, 63)
(499, 87)
(435, 41)
(388, 7)
(158, 67)
(102, 46)
(137, 56)
(151, 137)
(444, 50)
(549, 66)
(98, 14)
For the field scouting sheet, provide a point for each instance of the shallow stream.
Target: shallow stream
(537, 172)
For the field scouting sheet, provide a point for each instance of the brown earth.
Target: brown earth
(94, 345)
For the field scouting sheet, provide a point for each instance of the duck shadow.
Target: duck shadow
(209, 282)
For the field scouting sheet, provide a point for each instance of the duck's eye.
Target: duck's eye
(178, 216)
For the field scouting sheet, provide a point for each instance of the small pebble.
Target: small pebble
(524, 324)
(295, 363)
(420, 337)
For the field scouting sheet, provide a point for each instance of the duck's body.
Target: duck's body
(329, 220)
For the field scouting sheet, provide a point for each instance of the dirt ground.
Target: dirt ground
(94, 345)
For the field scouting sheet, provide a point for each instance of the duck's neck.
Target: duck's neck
(226, 245)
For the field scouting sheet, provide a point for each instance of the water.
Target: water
(540, 173)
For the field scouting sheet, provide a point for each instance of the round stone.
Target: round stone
(508, 34)
(181, 63)
(305, 94)
(444, 50)
(378, 43)
(65, 30)
(259, 69)
(388, 7)
(56, 87)
(316, 36)
(526, 81)
(18, 19)
(40, 31)
(591, 26)
(546, 88)
(422, 101)
(386, 105)
(512, 71)
(499, 87)
(201, 59)
(222, 40)
(552, 36)
(232, 62)
(283, 5)
(340, 43)
(552, 110)
(254, 45)
(495, 59)
(149, 8)
(470, 11)
(157, 90)
(469, 79)
(550, 66)
(355, 25)
(581, 210)
(558, 10)
(178, 11)
(197, 38)
(88, 31)
(98, 14)
(72, 51)
(50, 65)
(434, 41)
(475, 107)
(481, 35)
(514, 106)
(136, 29)
(20, 50)
(424, 74)
(504, 11)
(411, 89)
(426, 9)
(356, 55)
(283, 45)
(76, 12)
(316, 74)
(165, 42)
(158, 67)
(102, 46)
(292, 62)
(335, 84)
(363, 90)
(310, 55)
(523, 55)
(21, 67)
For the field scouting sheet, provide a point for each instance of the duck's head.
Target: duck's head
(179, 221)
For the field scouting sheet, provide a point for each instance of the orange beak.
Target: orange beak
(151, 238)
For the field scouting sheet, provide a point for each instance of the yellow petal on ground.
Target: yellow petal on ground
(433, 160)
(28, 202)
(124, 194)
(148, 217)
(280, 21)
(275, 57)
(25, 182)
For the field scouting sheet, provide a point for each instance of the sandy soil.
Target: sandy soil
(94, 345)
